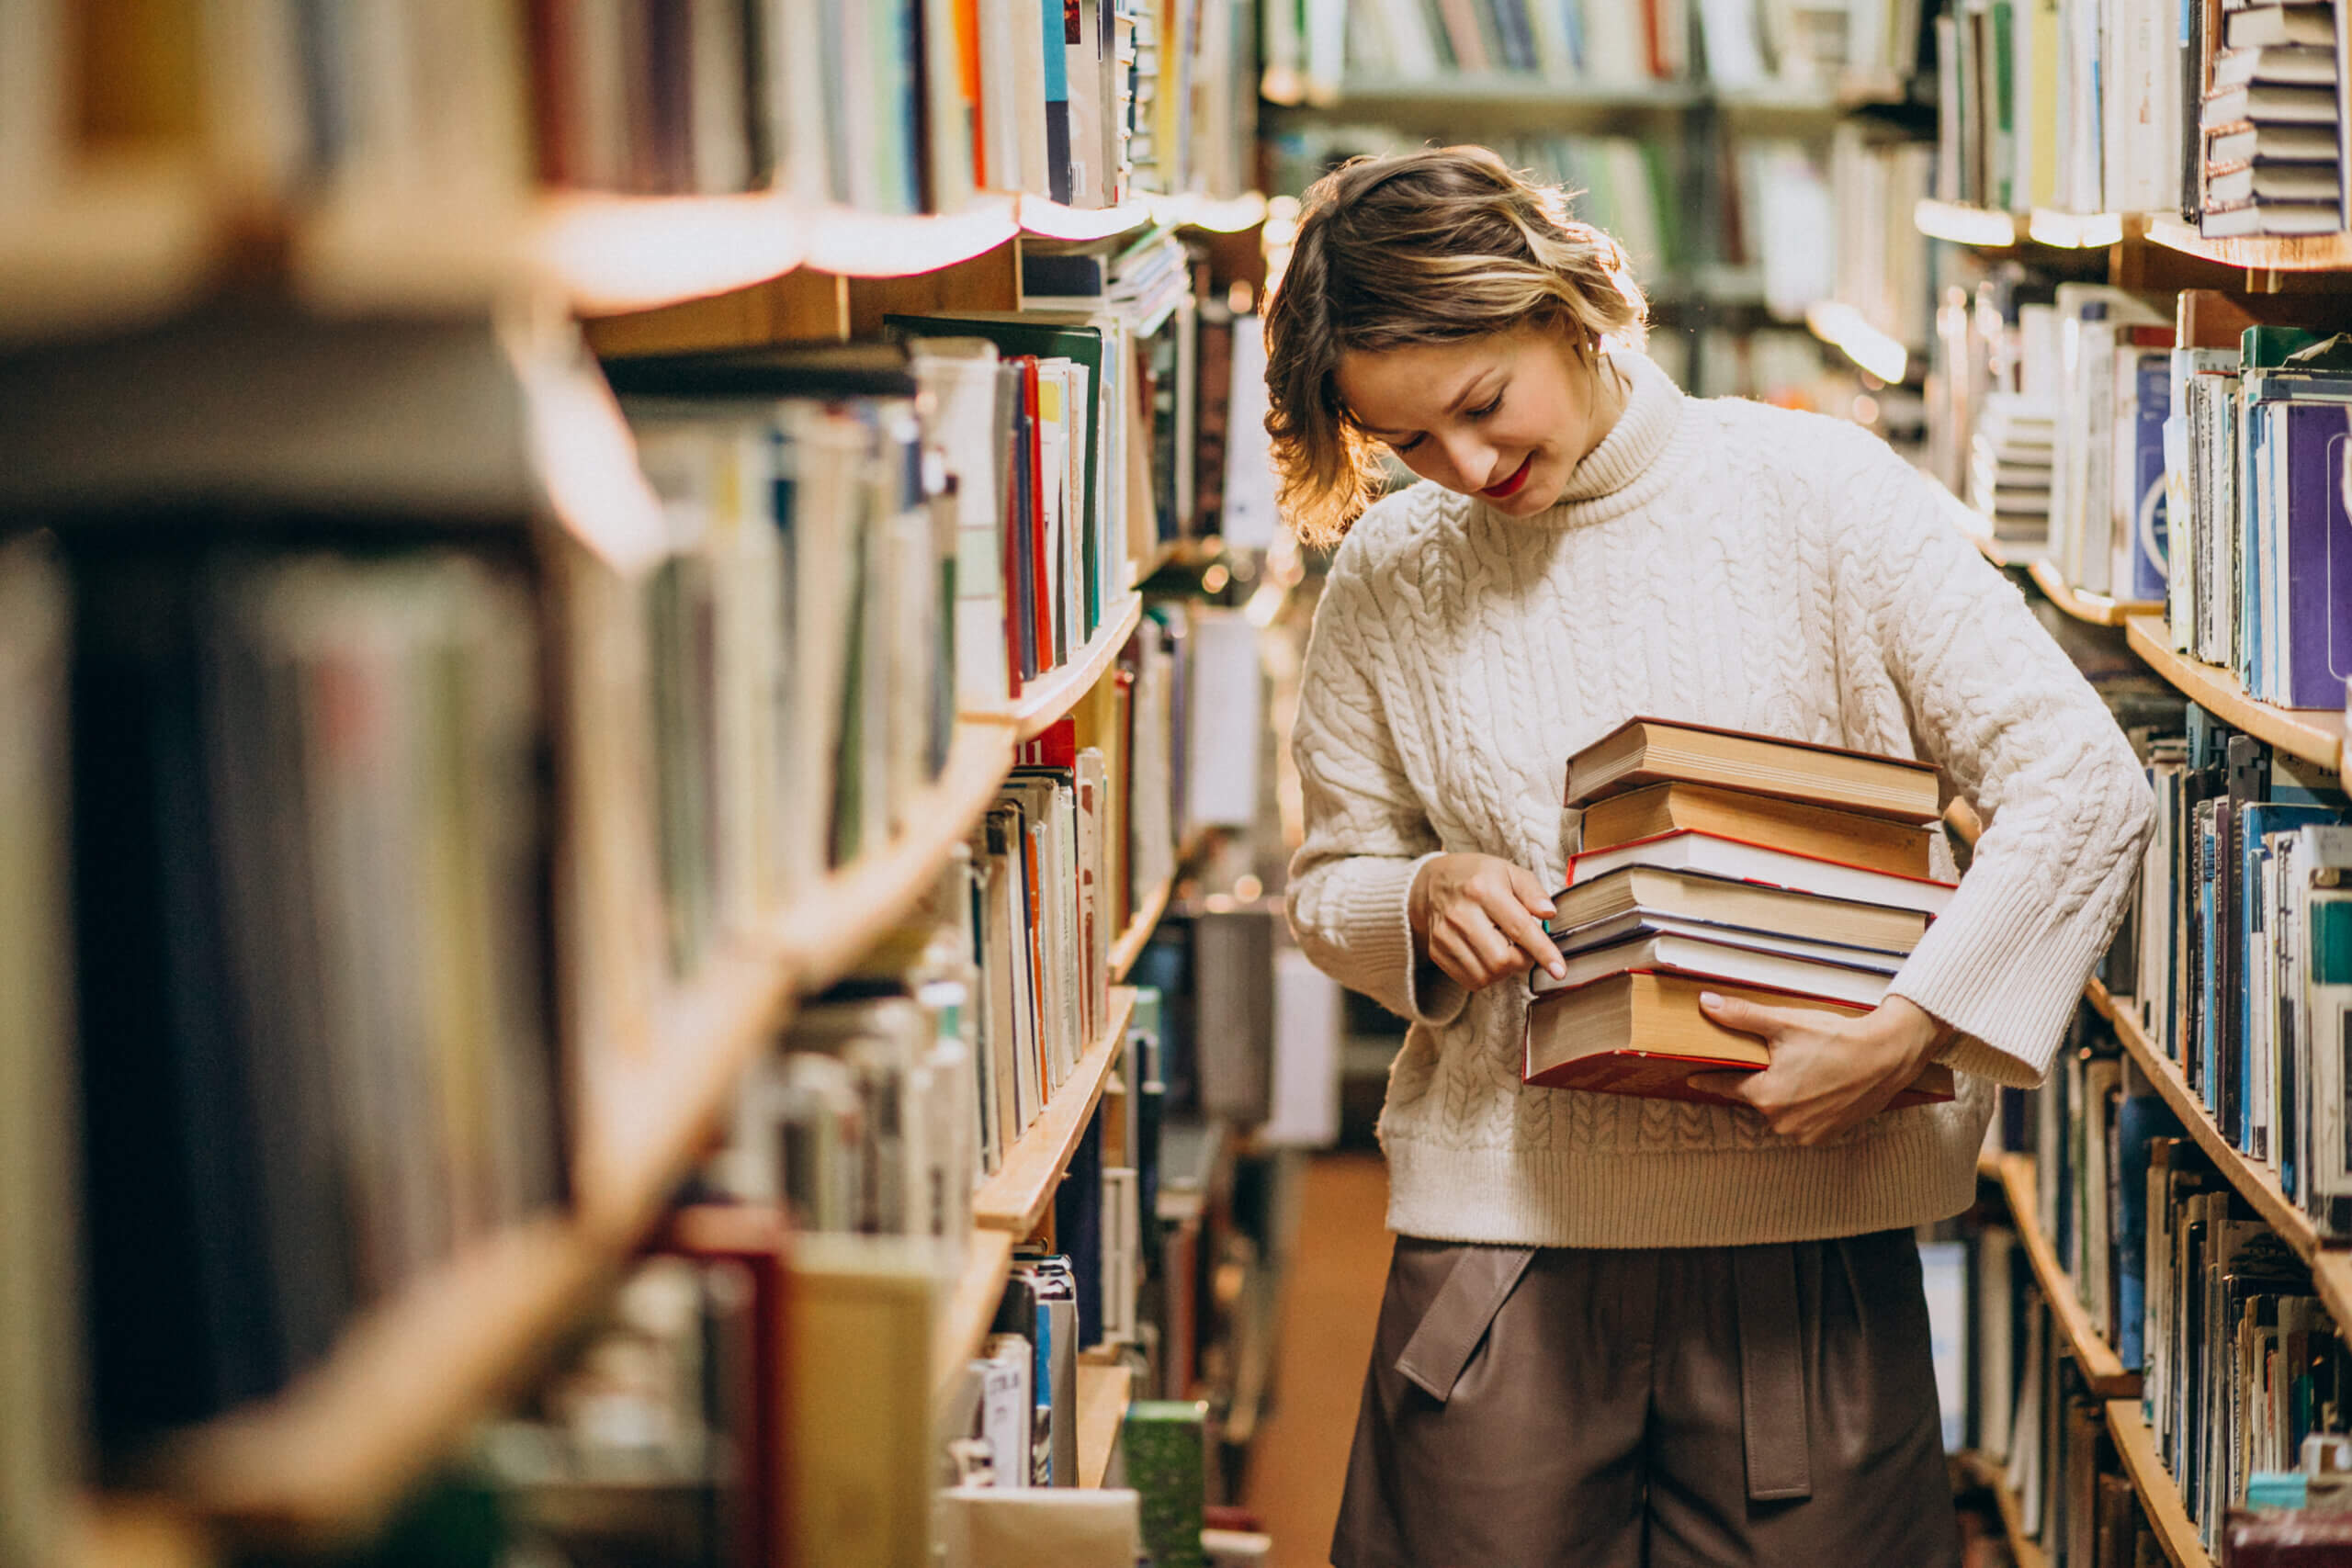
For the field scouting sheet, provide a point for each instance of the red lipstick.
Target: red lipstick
(1510, 486)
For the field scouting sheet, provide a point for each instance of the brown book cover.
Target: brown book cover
(1846, 836)
(1645, 750)
(758, 1238)
(1642, 1033)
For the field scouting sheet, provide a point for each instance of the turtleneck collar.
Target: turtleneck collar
(1623, 470)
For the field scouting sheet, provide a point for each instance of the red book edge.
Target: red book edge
(1035, 458)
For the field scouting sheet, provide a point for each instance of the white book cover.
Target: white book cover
(2323, 934)
(1224, 715)
(1007, 1406)
(960, 375)
(1684, 850)
(1943, 1276)
(1717, 960)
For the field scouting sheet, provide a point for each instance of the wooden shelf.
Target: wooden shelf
(1044, 700)
(2311, 253)
(2096, 608)
(1963, 225)
(1015, 1198)
(1993, 1477)
(827, 930)
(1501, 92)
(1103, 1393)
(970, 1305)
(2316, 735)
(2159, 1498)
(1131, 942)
(2093, 1354)
(119, 245)
(1210, 215)
(645, 1114)
(2331, 1269)
(614, 254)
(129, 1533)
(342, 1444)
(1045, 219)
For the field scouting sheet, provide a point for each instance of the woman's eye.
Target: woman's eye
(1401, 447)
(1482, 412)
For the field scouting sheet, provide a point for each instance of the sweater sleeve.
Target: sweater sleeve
(1367, 835)
(1994, 703)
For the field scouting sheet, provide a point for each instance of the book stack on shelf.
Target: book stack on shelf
(2009, 466)
(2273, 122)
(1769, 870)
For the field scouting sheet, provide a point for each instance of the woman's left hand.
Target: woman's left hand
(1829, 1071)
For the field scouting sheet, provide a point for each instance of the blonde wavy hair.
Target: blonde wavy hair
(1423, 247)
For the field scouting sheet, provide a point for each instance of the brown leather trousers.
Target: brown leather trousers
(1553, 1407)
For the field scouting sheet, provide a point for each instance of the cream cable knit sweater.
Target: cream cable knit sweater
(1738, 565)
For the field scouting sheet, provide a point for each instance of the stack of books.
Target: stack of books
(2009, 465)
(2272, 122)
(1774, 871)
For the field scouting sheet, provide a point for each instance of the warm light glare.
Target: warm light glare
(2074, 230)
(1842, 327)
(1264, 604)
(1963, 225)
(1247, 887)
(1215, 578)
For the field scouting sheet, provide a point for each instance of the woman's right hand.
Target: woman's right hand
(1480, 919)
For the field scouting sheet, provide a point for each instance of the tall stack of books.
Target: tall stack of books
(2009, 465)
(1774, 871)
(2272, 123)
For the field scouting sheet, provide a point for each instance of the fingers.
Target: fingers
(1748, 1017)
(1466, 944)
(1514, 920)
(1530, 893)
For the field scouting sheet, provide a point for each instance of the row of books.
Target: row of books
(1565, 41)
(2230, 114)
(2035, 1428)
(906, 106)
(1700, 866)
(1883, 268)
(2255, 482)
(1773, 365)
(2238, 1361)
(2110, 390)
(317, 1050)
(2239, 946)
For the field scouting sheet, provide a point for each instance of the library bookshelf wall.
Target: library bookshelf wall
(339, 1447)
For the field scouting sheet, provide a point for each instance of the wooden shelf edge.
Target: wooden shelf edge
(2159, 1496)
(2308, 253)
(1015, 1198)
(2316, 735)
(2093, 1354)
(2096, 609)
(1137, 936)
(1993, 1477)
(2331, 1269)
(345, 1440)
(1057, 691)
(827, 929)
(1103, 1391)
(970, 1306)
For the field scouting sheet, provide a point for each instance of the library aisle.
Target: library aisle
(1328, 1310)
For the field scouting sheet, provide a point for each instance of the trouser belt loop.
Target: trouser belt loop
(1771, 1374)
(1449, 1332)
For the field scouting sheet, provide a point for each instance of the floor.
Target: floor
(1300, 1457)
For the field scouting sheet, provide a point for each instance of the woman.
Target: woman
(1620, 1331)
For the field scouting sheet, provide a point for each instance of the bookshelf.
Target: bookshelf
(970, 1306)
(1015, 1199)
(2331, 1269)
(2159, 1498)
(2315, 735)
(118, 245)
(2026, 1552)
(2102, 1370)
(2096, 609)
(340, 1445)
(2305, 253)
(1131, 942)
(1045, 700)
(1104, 1388)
